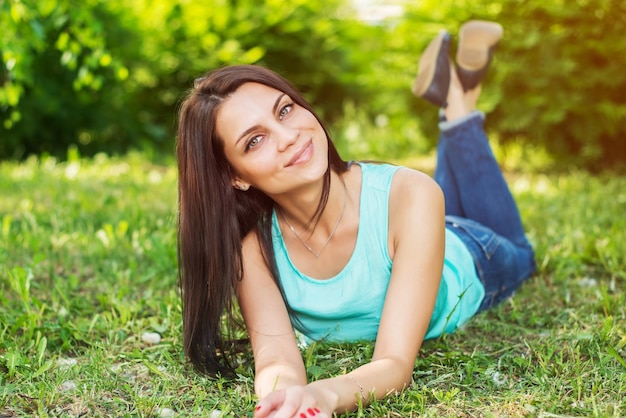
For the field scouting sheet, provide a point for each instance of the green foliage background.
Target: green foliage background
(108, 75)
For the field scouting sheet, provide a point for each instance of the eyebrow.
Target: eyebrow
(255, 127)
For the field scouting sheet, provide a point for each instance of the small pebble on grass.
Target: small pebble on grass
(165, 413)
(150, 338)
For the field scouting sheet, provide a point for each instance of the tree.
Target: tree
(564, 79)
(56, 62)
(108, 75)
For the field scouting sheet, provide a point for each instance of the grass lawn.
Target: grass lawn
(90, 318)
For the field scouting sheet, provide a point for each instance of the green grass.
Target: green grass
(88, 265)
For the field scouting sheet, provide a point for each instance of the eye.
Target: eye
(253, 142)
(285, 110)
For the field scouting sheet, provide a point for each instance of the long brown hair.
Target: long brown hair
(213, 217)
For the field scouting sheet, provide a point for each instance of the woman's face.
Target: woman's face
(271, 142)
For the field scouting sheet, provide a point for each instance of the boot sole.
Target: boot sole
(428, 65)
(476, 40)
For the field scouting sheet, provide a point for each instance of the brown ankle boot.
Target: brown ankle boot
(433, 77)
(477, 41)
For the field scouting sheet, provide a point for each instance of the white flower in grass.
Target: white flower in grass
(301, 340)
(103, 237)
(154, 177)
(62, 312)
(496, 377)
(71, 170)
(150, 338)
(216, 413)
(66, 363)
(68, 386)
(587, 282)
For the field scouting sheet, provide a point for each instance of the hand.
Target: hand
(293, 402)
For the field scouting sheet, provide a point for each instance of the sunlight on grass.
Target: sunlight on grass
(90, 318)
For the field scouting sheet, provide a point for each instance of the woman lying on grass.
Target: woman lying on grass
(340, 251)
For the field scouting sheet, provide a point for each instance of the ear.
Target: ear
(240, 185)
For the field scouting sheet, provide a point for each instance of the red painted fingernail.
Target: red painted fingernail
(317, 411)
(302, 415)
(257, 407)
(311, 411)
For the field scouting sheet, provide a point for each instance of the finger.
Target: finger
(311, 413)
(269, 404)
(292, 403)
(288, 409)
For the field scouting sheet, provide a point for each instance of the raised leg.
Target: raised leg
(472, 181)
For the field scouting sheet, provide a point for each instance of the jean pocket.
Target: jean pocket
(483, 237)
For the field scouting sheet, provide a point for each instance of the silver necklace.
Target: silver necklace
(307, 246)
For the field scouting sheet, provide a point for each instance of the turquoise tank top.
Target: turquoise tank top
(348, 306)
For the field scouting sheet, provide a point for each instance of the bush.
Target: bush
(563, 80)
(63, 81)
(557, 81)
(108, 75)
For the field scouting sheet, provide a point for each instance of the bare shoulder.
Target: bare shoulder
(415, 201)
(410, 186)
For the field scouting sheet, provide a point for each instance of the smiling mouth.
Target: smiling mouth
(303, 155)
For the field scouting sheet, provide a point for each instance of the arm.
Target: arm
(278, 363)
(416, 241)
(417, 230)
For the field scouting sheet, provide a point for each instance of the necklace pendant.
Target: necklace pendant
(332, 233)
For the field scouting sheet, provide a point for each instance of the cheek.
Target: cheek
(303, 119)
(256, 167)
(310, 119)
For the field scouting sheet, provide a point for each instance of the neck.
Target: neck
(299, 208)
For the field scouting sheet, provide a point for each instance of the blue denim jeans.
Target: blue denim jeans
(480, 208)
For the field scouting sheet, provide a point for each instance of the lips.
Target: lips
(303, 155)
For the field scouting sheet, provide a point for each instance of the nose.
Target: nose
(286, 136)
